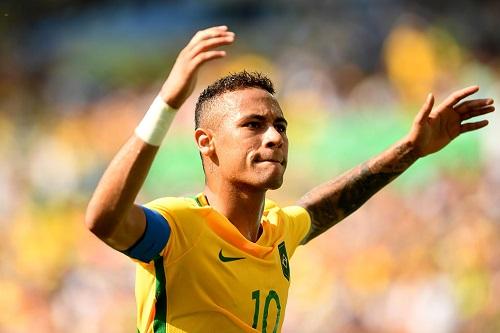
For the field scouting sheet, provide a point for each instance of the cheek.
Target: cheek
(237, 150)
(251, 147)
(285, 145)
(234, 153)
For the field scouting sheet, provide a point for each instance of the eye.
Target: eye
(253, 124)
(281, 128)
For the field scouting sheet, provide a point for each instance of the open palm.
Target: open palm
(433, 129)
(200, 49)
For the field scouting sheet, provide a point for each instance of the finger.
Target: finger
(206, 33)
(215, 28)
(207, 56)
(473, 104)
(477, 112)
(426, 109)
(209, 33)
(473, 126)
(210, 44)
(204, 38)
(457, 96)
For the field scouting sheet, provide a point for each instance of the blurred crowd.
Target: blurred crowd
(421, 256)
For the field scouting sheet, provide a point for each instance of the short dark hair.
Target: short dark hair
(231, 82)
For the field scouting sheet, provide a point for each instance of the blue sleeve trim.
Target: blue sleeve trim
(153, 240)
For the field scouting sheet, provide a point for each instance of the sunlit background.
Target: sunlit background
(76, 76)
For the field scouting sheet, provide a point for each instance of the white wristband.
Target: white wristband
(154, 126)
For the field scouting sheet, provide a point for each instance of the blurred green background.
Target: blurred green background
(76, 76)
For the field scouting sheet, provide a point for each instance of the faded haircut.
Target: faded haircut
(228, 83)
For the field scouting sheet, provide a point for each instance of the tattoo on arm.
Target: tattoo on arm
(332, 201)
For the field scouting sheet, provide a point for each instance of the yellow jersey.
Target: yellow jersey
(209, 278)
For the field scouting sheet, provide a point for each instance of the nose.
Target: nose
(272, 138)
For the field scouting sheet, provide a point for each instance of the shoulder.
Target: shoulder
(177, 209)
(171, 203)
(288, 212)
(290, 222)
(187, 222)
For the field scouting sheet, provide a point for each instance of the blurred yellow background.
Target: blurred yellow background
(421, 256)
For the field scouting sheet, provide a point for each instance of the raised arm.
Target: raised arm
(432, 130)
(111, 214)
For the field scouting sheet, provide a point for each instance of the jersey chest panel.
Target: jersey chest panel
(214, 277)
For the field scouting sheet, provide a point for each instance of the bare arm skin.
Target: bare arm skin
(432, 130)
(334, 200)
(111, 214)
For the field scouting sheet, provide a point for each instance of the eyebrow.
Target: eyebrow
(262, 118)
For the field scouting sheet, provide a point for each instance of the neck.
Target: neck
(243, 208)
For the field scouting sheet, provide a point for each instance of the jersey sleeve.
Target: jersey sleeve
(154, 238)
(298, 225)
(184, 226)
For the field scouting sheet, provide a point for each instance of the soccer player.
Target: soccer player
(219, 262)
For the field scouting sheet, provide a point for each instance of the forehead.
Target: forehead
(251, 101)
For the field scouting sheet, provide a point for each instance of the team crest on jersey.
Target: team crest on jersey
(285, 264)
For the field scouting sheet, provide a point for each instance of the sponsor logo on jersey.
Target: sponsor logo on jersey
(228, 259)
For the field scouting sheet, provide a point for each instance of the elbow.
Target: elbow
(100, 223)
(94, 222)
(91, 221)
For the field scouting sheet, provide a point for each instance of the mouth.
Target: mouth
(271, 160)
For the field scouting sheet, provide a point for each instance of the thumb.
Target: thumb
(426, 109)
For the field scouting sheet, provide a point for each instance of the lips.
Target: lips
(272, 160)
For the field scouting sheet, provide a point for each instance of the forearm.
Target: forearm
(332, 201)
(114, 196)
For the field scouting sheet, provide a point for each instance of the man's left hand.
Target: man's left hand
(434, 128)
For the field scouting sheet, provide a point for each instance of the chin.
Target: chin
(262, 184)
(275, 187)
(273, 184)
(262, 180)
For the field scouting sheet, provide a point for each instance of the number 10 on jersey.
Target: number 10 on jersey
(272, 296)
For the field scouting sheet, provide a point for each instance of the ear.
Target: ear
(205, 141)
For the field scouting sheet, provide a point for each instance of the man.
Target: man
(219, 262)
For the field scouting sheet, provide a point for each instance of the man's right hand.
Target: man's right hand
(200, 49)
